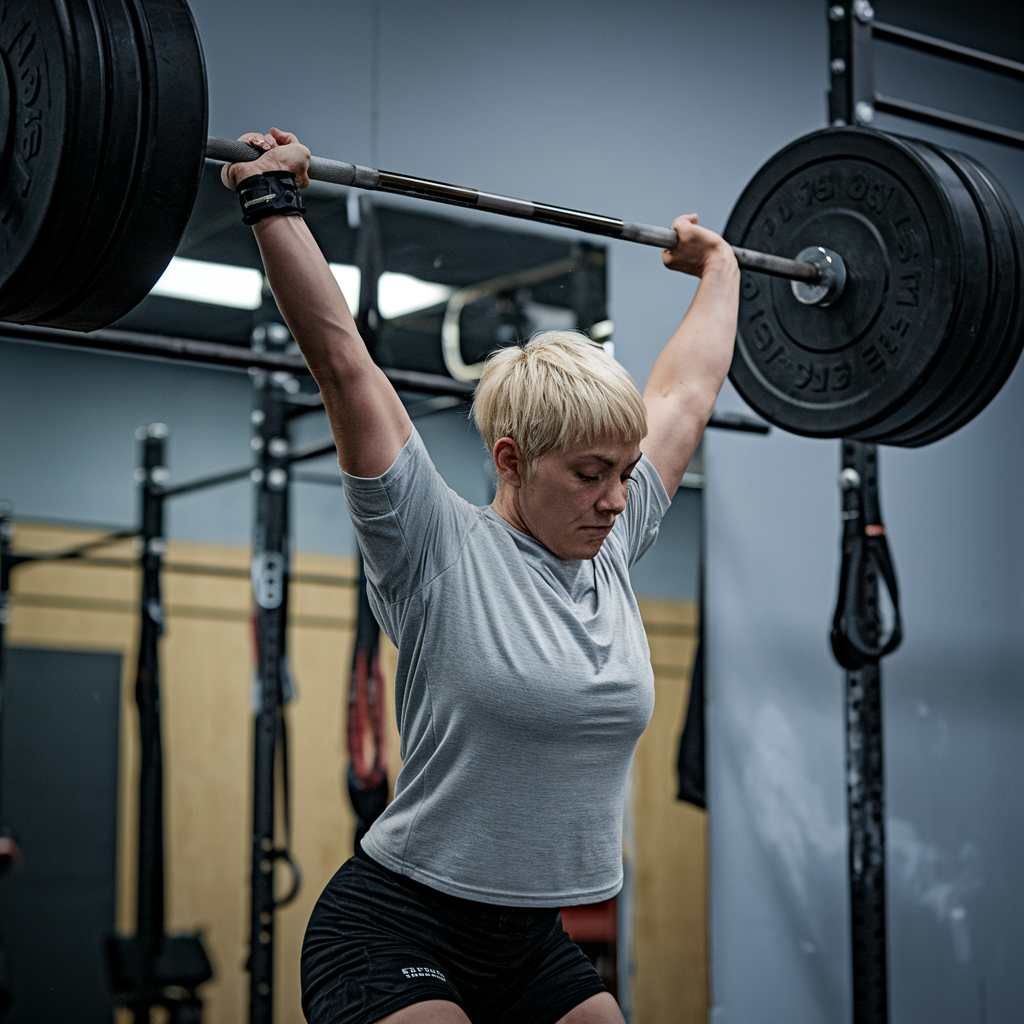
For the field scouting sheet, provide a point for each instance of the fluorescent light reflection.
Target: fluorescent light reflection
(215, 283)
(242, 287)
(397, 294)
(348, 281)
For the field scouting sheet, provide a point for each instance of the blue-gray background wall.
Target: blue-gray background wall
(646, 110)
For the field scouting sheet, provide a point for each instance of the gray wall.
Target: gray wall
(67, 450)
(953, 694)
(68, 420)
(645, 111)
(953, 707)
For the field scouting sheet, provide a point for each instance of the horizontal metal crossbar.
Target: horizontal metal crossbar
(944, 119)
(209, 569)
(942, 48)
(209, 352)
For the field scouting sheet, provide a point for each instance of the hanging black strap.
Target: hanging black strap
(854, 640)
(690, 767)
(285, 853)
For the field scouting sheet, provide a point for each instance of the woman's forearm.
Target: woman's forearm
(688, 374)
(368, 419)
(308, 296)
(696, 359)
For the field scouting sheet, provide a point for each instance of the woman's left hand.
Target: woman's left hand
(697, 248)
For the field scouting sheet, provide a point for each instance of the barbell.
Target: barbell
(882, 292)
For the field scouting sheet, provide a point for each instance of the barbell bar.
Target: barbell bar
(104, 134)
(337, 172)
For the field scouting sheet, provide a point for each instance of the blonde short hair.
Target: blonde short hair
(556, 391)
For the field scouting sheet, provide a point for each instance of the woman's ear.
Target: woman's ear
(509, 461)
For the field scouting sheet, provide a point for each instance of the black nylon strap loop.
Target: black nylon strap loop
(862, 548)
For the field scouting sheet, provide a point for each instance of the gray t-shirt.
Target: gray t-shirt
(523, 684)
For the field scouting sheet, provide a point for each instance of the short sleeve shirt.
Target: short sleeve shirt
(523, 684)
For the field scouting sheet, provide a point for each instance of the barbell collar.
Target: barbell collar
(829, 286)
(336, 172)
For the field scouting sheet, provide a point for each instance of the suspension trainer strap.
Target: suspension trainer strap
(865, 555)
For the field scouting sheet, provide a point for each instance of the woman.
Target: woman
(524, 678)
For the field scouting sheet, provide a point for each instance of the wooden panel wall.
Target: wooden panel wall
(207, 666)
(670, 922)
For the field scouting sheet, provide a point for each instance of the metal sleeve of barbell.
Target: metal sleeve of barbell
(354, 176)
(777, 266)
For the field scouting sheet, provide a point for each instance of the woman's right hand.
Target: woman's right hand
(282, 151)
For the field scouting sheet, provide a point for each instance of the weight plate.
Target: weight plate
(52, 75)
(965, 342)
(170, 160)
(6, 121)
(1004, 328)
(839, 371)
(99, 221)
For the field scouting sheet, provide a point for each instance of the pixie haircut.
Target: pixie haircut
(556, 391)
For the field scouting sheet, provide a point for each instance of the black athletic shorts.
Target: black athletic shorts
(378, 941)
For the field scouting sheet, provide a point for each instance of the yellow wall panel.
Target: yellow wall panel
(670, 919)
(206, 666)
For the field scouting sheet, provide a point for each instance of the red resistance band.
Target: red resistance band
(367, 749)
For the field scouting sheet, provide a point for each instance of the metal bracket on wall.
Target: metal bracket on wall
(852, 98)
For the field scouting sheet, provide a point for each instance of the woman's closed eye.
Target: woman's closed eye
(625, 478)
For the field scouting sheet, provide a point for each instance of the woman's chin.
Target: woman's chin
(583, 548)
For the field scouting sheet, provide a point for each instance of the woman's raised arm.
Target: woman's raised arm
(369, 422)
(687, 376)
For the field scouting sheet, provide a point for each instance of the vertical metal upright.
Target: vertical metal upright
(589, 285)
(857, 631)
(149, 907)
(368, 259)
(859, 645)
(8, 849)
(10, 854)
(366, 780)
(151, 968)
(851, 97)
(272, 686)
(6, 564)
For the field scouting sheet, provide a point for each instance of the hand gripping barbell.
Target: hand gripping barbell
(882, 283)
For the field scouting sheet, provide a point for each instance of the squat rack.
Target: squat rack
(860, 639)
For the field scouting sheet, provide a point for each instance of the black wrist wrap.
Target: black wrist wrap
(264, 195)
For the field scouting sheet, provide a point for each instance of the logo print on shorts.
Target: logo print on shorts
(424, 972)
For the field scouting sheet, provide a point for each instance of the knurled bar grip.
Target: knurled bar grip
(355, 176)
